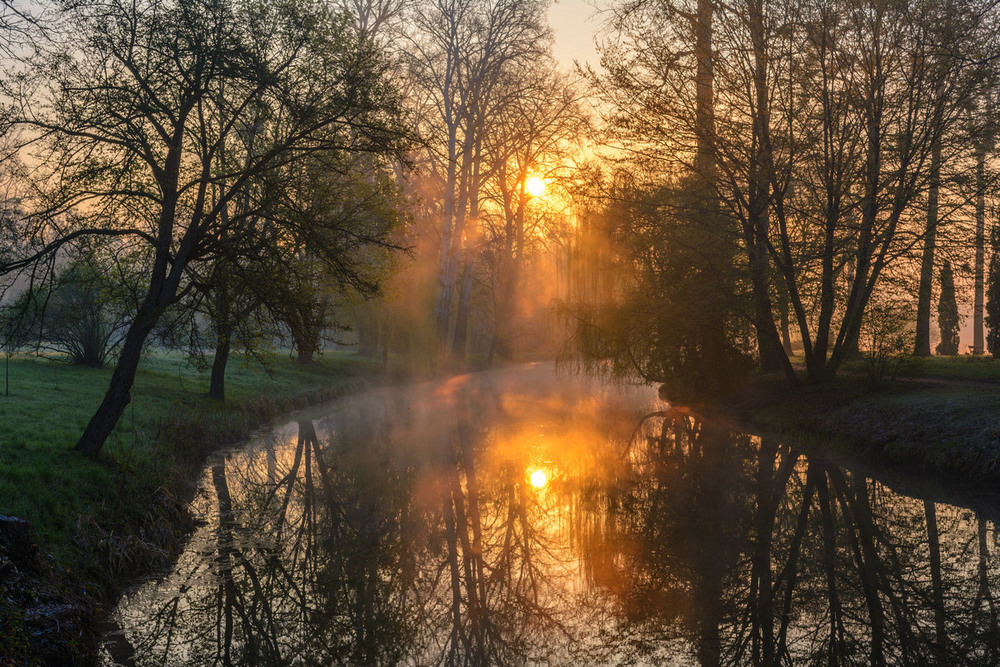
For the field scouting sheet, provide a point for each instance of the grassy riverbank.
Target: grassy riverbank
(941, 416)
(97, 521)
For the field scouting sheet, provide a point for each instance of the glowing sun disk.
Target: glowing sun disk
(538, 479)
(535, 186)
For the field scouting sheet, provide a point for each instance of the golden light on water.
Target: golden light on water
(535, 186)
(538, 479)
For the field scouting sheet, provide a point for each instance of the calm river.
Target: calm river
(520, 517)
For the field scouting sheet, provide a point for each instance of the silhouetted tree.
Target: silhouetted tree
(826, 147)
(459, 50)
(993, 295)
(144, 95)
(83, 311)
(530, 134)
(947, 313)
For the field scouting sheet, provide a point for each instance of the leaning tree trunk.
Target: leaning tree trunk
(120, 390)
(162, 290)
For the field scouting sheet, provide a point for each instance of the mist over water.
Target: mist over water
(522, 517)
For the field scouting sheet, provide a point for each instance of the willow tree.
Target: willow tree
(129, 107)
(662, 103)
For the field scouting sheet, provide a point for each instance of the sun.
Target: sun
(535, 186)
(538, 479)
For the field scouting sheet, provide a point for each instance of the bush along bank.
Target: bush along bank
(58, 582)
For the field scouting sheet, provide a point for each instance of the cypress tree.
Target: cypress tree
(948, 313)
(993, 295)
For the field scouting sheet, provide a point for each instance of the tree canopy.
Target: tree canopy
(176, 128)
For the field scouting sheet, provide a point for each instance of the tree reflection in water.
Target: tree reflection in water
(402, 528)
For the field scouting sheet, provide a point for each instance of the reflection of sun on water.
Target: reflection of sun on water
(538, 479)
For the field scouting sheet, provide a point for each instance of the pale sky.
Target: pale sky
(574, 24)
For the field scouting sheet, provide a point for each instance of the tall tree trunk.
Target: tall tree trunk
(446, 270)
(368, 338)
(705, 163)
(464, 302)
(762, 176)
(223, 303)
(978, 346)
(217, 383)
(504, 312)
(304, 353)
(786, 335)
(922, 346)
(119, 393)
(508, 269)
(168, 268)
(470, 251)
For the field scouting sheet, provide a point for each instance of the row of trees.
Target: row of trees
(219, 175)
(800, 165)
(495, 113)
(235, 171)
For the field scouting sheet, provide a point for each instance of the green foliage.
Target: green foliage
(947, 313)
(886, 340)
(229, 103)
(83, 313)
(993, 295)
(673, 316)
(346, 210)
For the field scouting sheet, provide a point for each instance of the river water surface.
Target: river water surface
(522, 517)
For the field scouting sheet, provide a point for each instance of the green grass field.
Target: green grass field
(980, 368)
(43, 480)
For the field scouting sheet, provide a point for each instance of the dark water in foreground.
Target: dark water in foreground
(518, 517)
